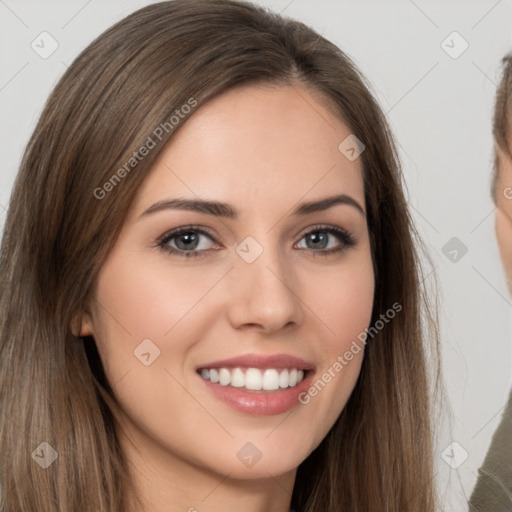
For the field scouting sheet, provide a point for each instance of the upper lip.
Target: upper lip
(277, 361)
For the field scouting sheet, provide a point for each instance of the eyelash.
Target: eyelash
(347, 240)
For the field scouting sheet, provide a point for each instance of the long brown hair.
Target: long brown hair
(59, 230)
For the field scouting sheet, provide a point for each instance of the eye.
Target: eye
(186, 241)
(192, 241)
(322, 240)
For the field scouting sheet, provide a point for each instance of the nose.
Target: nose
(264, 294)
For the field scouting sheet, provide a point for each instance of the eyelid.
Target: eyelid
(321, 227)
(183, 229)
(347, 239)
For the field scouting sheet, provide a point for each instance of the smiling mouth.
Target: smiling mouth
(254, 379)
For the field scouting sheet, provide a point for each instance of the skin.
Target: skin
(262, 150)
(503, 218)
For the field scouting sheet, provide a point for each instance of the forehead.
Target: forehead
(259, 142)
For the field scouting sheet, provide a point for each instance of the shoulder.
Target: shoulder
(493, 490)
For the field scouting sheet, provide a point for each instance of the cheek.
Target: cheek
(144, 313)
(141, 297)
(344, 302)
(149, 314)
(136, 307)
(344, 299)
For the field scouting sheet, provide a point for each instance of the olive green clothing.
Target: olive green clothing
(493, 490)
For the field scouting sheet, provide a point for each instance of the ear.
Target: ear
(81, 324)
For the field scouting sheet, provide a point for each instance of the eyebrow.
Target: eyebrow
(225, 210)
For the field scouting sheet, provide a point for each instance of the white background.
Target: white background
(440, 109)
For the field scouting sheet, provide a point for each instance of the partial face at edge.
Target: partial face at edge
(264, 151)
(503, 219)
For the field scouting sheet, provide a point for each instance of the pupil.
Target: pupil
(189, 239)
(318, 238)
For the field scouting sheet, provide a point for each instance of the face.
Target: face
(198, 307)
(503, 219)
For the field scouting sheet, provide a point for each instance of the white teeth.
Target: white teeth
(254, 379)
(214, 376)
(237, 378)
(224, 377)
(270, 380)
(283, 379)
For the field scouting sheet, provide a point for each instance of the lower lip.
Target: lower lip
(260, 403)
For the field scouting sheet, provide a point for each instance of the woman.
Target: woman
(210, 292)
(493, 489)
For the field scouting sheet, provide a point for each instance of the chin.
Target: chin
(253, 463)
